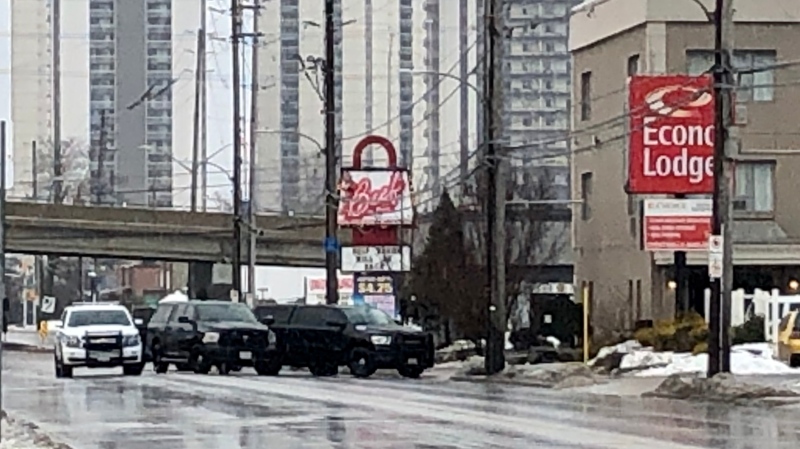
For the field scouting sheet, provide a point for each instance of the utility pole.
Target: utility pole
(34, 172)
(204, 107)
(253, 171)
(463, 135)
(496, 179)
(724, 144)
(37, 260)
(198, 86)
(58, 172)
(3, 317)
(331, 204)
(99, 187)
(236, 30)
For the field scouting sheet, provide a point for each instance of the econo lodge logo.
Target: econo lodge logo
(671, 135)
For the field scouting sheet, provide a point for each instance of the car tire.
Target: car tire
(133, 369)
(269, 367)
(361, 362)
(57, 365)
(158, 366)
(794, 360)
(410, 372)
(198, 362)
(66, 370)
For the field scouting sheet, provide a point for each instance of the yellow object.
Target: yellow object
(585, 299)
(43, 330)
(789, 339)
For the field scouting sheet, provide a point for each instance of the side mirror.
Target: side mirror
(57, 324)
(268, 320)
(399, 322)
(184, 320)
(138, 322)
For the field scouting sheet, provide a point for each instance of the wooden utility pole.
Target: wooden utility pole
(496, 179)
(204, 108)
(253, 174)
(58, 166)
(331, 203)
(236, 36)
(196, 135)
(724, 147)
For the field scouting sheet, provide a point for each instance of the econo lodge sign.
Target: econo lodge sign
(671, 143)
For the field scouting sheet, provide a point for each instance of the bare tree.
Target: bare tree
(75, 179)
(537, 230)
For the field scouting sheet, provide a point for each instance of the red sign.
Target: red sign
(375, 198)
(671, 144)
(676, 225)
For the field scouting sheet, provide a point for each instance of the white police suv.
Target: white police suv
(97, 335)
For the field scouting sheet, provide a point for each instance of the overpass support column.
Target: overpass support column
(201, 276)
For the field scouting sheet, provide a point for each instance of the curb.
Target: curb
(537, 385)
(39, 438)
(19, 347)
(504, 381)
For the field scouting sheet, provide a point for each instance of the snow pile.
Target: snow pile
(749, 359)
(721, 388)
(626, 347)
(630, 356)
(17, 434)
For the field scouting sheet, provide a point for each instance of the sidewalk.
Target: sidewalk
(26, 339)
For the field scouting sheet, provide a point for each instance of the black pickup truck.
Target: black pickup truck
(199, 334)
(365, 339)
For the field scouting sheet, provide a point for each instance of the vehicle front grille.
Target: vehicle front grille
(244, 339)
(102, 342)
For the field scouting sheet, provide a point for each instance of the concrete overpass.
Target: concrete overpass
(126, 233)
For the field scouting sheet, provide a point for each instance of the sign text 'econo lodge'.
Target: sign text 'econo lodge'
(671, 135)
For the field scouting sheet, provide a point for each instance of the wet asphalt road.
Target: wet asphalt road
(186, 411)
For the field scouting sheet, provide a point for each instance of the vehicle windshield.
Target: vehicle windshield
(369, 316)
(216, 313)
(98, 318)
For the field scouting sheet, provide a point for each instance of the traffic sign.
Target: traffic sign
(715, 244)
(715, 265)
(331, 245)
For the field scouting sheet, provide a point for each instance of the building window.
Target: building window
(754, 187)
(586, 92)
(586, 195)
(633, 65)
(757, 86)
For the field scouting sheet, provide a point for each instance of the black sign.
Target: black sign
(366, 284)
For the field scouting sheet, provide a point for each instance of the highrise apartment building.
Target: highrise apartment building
(126, 72)
(387, 83)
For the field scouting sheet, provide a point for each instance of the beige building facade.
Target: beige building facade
(613, 39)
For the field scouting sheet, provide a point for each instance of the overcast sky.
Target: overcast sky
(282, 282)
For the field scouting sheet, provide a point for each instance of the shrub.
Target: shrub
(682, 334)
(751, 331)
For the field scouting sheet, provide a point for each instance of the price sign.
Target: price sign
(374, 285)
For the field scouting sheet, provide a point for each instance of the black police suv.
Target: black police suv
(365, 339)
(196, 335)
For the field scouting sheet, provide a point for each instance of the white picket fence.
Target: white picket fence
(770, 304)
